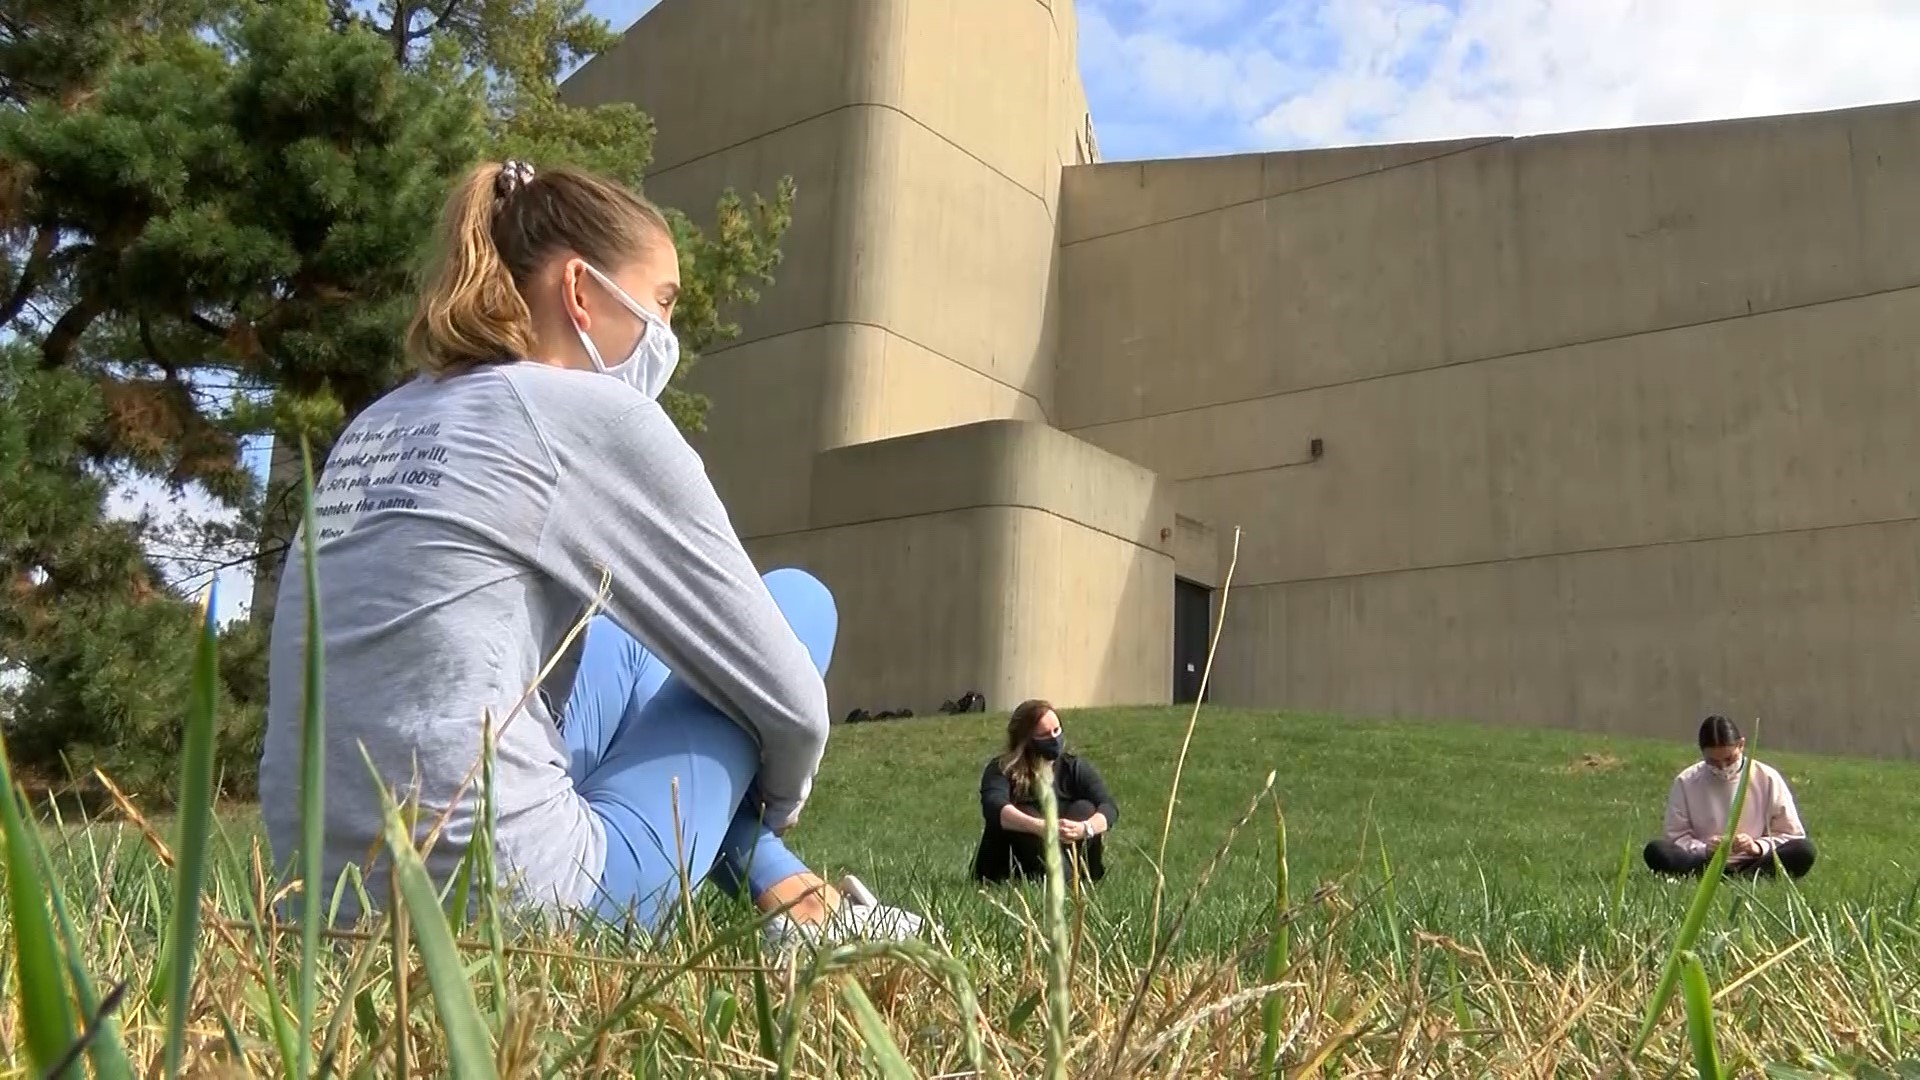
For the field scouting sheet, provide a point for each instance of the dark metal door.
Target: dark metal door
(1192, 623)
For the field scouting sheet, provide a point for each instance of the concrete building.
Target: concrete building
(1603, 430)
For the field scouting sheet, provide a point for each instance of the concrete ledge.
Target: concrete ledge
(995, 463)
(1197, 552)
(1010, 601)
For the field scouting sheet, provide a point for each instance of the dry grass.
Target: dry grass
(689, 1008)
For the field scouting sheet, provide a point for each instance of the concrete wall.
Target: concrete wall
(918, 294)
(926, 138)
(1005, 557)
(1618, 426)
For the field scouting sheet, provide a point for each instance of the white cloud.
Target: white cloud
(1189, 14)
(1163, 72)
(1330, 72)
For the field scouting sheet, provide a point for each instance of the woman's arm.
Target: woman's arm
(1091, 786)
(1679, 823)
(996, 803)
(1014, 819)
(1783, 817)
(633, 498)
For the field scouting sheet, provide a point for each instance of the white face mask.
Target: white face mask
(654, 357)
(1729, 772)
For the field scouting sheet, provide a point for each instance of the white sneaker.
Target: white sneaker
(860, 917)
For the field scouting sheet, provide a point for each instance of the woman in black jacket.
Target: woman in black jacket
(1010, 845)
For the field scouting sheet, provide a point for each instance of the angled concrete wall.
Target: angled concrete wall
(1004, 556)
(1618, 426)
(926, 138)
(918, 294)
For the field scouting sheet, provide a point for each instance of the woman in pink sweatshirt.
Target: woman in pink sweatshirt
(1768, 832)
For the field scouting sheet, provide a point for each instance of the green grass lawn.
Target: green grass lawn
(1505, 940)
(1512, 838)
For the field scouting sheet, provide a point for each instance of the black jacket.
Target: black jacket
(1074, 780)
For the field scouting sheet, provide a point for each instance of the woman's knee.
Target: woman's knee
(810, 609)
(1797, 856)
(1663, 857)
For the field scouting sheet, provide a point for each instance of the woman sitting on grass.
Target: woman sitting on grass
(1011, 845)
(1699, 804)
(467, 520)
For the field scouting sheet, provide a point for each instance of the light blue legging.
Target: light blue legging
(632, 728)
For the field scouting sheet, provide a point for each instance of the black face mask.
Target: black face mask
(1048, 747)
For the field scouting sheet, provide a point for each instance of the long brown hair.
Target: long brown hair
(1018, 761)
(499, 227)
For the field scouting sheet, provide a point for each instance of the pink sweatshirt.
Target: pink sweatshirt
(1698, 804)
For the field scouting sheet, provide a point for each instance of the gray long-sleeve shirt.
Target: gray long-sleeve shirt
(462, 526)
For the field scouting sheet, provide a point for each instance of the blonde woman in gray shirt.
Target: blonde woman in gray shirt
(463, 524)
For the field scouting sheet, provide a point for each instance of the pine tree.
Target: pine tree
(212, 211)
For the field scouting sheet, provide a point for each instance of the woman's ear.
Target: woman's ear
(573, 301)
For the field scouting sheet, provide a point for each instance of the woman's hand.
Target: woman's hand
(1073, 831)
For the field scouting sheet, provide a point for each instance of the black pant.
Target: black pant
(1005, 854)
(1666, 857)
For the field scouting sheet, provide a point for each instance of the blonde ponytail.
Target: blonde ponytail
(499, 226)
(470, 310)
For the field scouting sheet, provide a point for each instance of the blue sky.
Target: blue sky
(1179, 78)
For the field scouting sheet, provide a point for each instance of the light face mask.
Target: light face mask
(654, 357)
(1729, 772)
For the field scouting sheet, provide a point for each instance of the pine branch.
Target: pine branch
(66, 333)
(212, 564)
(397, 31)
(440, 19)
(147, 342)
(39, 258)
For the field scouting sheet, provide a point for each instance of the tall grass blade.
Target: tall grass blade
(1163, 947)
(1186, 743)
(95, 1026)
(763, 1015)
(1023, 1011)
(469, 1052)
(1393, 905)
(1696, 916)
(278, 1014)
(313, 799)
(196, 827)
(104, 1048)
(1054, 922)
(1620, 881)
(459, 892)
(1870, 944)
(481, 853)
(873, 1031)
(400, 947)
(1698, 997)
(1279, 950)
(47, 1022)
